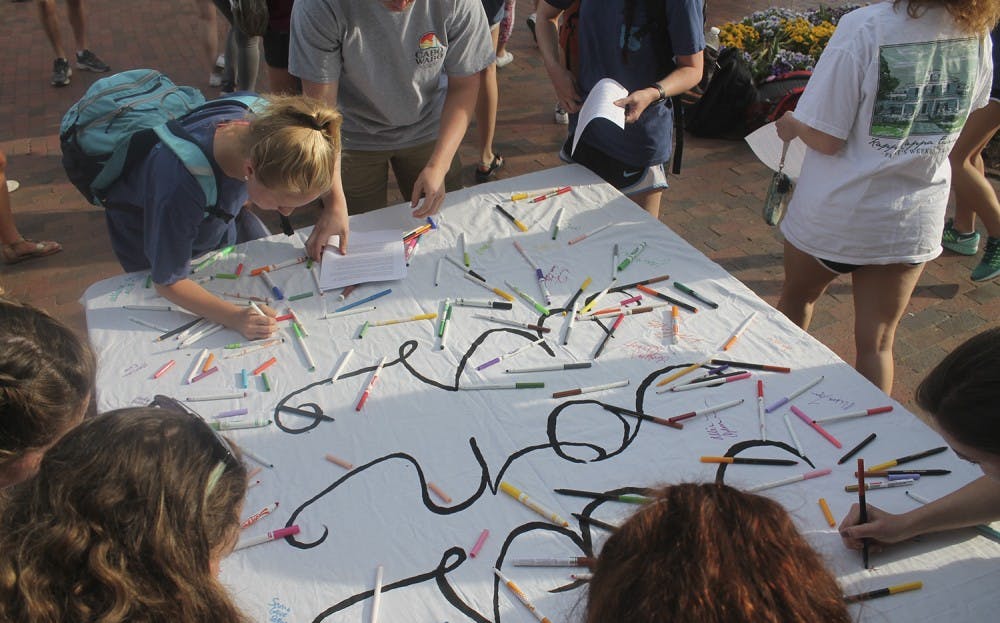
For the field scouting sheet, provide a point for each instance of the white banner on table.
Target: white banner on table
(418, 427)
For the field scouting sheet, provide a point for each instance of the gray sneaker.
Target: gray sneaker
(88, 61)
(953, 240)
(61, 72)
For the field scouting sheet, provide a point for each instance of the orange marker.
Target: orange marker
(675, 325)
(340, 462)
(438, 492)
(826, 512)
(264, 366)
(208, 363)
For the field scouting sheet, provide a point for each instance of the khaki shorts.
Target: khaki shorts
(365, 174)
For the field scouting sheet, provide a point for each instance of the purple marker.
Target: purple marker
(794, 394)
(232, 413)
(489, 363)
(892, 477)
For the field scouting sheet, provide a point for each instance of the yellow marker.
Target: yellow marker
(826, 512)
(682, 372)
(523, 498)
(382, 323)
(593, 301)
(884, 592)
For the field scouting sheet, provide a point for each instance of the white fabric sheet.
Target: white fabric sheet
(415, 428)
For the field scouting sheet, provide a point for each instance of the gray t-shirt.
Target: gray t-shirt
(390, 67)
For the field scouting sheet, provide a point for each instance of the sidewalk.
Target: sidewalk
(714, 203)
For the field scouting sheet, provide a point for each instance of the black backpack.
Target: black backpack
(722, 110)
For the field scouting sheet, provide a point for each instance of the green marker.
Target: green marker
(538, 306)
(299, 297)
(686, 290)
(445, 316)
(266, 381)
(226, 276)
(555, 228)
(221, 253)
(149, 280)
(364, 329)
(527, 385)
(631, 256)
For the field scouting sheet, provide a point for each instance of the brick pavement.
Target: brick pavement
(714, 203)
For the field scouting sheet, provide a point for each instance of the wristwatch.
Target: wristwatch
(659, 89)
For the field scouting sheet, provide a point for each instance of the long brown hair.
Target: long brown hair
(961, 392)
(121, 524)
(972, 16)
(46, 377)
(707, 553)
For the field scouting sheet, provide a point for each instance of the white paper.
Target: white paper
(767, 147)
(600, 103)
(372, 256)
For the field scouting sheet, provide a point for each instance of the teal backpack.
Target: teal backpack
(122, 117)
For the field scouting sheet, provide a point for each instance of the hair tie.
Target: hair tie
(308, 121)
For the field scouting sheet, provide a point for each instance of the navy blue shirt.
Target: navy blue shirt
(601, 39)
(156, 215)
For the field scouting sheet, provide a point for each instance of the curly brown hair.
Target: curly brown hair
(46, 378)
(708, 553)
(121, 524)
(973, 16)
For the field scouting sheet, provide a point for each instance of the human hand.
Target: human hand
(430, 186)
(880, 529)
(331, 222)
(787, 126)
(254, 325)
(567, 93)
(636, 102)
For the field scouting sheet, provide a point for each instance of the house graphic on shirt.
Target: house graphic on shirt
(924, 89)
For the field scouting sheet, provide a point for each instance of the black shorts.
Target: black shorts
(842, 269)
(276, 49)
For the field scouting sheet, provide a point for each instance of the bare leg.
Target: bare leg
(486, 108)
(881, 294)
(805, 281)
(209, 34)
(74, 8)
(50, 24)
(14, 247)
(649, 201)
(973, 193)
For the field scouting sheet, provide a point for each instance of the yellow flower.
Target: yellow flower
(740, 36)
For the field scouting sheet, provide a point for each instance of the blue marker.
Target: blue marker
(274, 289)
(362, 301)
(244, 379)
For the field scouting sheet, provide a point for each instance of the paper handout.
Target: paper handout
(767, 147)
(600, 103)
(372, 256)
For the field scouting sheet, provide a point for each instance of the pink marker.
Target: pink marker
(371, 384)
(633, 299)
(479, 543)
(787, 481)
(163, 370)
(273, 535)
(819, 429)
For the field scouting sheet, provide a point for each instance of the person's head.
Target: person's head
(710, 553)
(292, 148)
(46, 378)
(962, 394)
(126, 518)
(972, 16)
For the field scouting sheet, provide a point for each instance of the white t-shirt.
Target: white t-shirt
(898, 90)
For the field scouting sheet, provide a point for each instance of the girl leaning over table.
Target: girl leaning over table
(882, 110)
(961, 395)
(282, 157)
(127, 520)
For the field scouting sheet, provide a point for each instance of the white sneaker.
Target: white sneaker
(562, 117)
(505, 59)
(215, 79)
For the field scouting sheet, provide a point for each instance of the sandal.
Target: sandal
(484, 173)
(11, 255)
